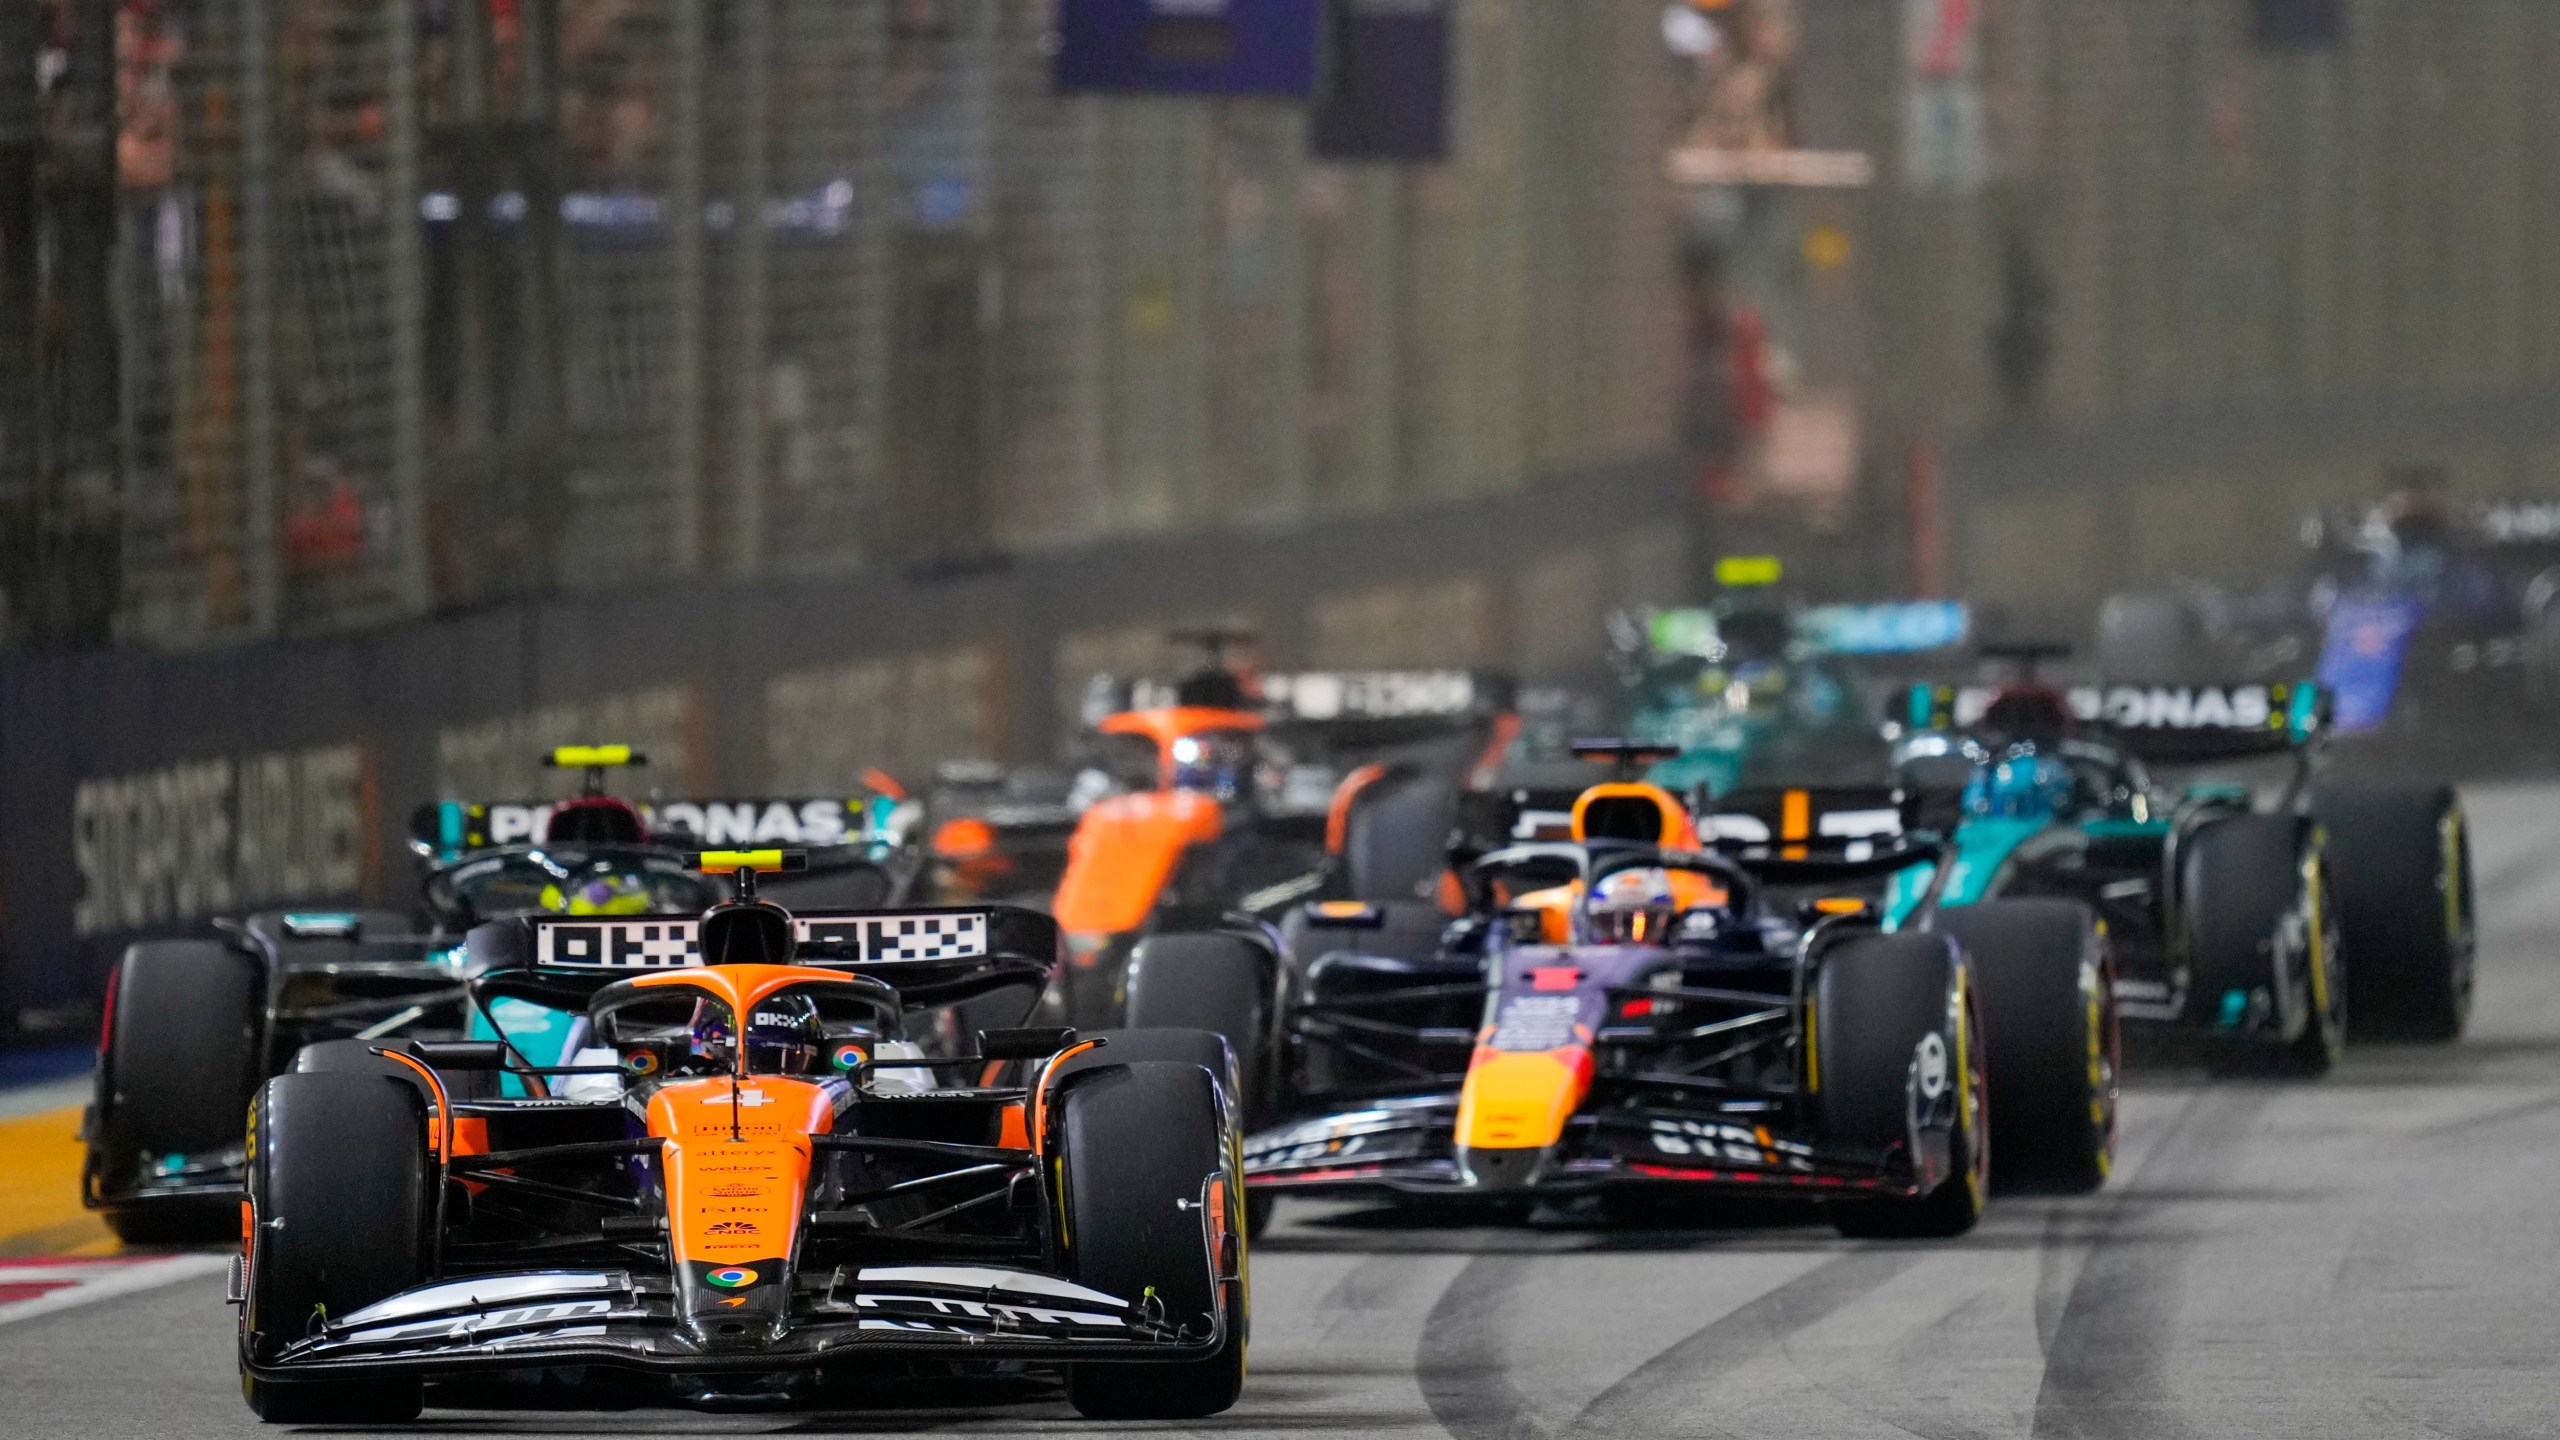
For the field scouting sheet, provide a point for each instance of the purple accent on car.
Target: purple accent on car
(2363, 653)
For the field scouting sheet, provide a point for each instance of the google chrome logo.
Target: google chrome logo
(735, 1277)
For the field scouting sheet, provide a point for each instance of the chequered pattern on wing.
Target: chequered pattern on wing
(621, 944)
(673, 944)
(925, 937)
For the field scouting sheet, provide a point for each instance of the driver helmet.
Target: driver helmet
(1631, 907)
(1219, 764)
(602, 891)
(1755, 637)
(2021, 785)
(784, 1036)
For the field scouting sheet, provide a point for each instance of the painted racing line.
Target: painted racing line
(55, 1255)
(29, 1288)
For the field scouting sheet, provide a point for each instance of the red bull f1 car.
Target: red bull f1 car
(1640, 1007)
(765, 1173)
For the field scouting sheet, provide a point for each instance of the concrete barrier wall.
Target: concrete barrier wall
(144, 794)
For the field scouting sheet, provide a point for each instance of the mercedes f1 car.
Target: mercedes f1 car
(759, 1178)
(1753, 693)
(193, 1025)
(1640, 1007)
(2262, 921)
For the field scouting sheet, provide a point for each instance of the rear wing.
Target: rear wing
(1845, 821)
(451, 828)
(1328, 696)
(1823, 837)
(885, 942)
(2163, 724)
(1320, 695)
(1914, 627)
(1490, 820)
(2517, 522)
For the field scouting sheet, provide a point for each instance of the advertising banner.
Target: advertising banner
(1190, 47)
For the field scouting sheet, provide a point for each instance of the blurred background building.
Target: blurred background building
(2053, 296)
(400, 306)
(322, 313)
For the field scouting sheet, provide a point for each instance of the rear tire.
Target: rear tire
(1138, 1144)
(174, 1080)
(2406, 918)
(1221, 984)
(340, 1188)
(2046, 987)
(1878, 1001)
(1396, 840)
(2240, 882)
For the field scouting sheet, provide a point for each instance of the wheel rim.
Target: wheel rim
(2106, 1057)
(1976, 1113)
(2459, 938)
(2327, 994)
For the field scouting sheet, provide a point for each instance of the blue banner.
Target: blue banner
(1190, 47)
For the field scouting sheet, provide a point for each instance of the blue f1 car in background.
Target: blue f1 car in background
(2420, 620)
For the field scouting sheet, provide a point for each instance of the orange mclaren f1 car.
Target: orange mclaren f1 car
(1250, 794)
(766, 1172)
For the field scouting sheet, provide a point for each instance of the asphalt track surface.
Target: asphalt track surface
(2367, 1255)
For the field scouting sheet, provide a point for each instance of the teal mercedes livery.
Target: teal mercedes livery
(2261, 911)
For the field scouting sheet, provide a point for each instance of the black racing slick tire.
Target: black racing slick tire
(1219, 983)
(1406, 930)
(2046, 986)
(1138, 1148)
(2263, 962)
(174, 1076)
(1395, 842)
(2403, 853)
(341, 1203)
(1203, 1048)
(1895, 1024)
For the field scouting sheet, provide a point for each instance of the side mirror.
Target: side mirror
(1345, 915)
(1033, 1042)
(461, 1054)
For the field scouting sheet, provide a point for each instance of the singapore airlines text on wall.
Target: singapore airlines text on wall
(211, 836)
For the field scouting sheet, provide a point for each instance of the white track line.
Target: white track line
(49, 1095)
(83, 1282)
